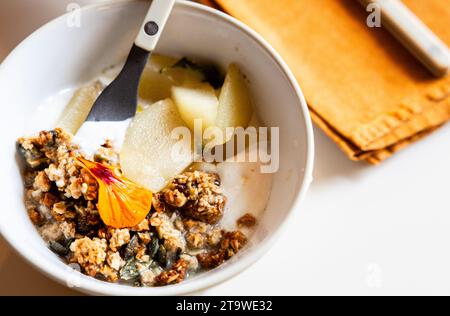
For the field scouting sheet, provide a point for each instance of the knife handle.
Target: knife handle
(154, 24)
(409, 30)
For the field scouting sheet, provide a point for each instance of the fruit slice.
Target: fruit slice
(150, 156)
(155, 86)
(235, 106)
(186, 72)
(184, 76)
(160, 62)
(160, 75)
(79, 107)
(196, 103)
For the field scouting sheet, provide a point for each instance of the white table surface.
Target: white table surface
(362, 230)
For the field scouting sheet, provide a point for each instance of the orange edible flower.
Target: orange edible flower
(121, 202)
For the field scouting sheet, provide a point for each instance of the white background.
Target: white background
(362, 230)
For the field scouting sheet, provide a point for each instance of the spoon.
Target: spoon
(118, 101)
(404, 25)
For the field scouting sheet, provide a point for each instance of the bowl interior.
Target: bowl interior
(59, 56)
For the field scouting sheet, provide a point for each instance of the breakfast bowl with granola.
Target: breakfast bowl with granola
(189, 192)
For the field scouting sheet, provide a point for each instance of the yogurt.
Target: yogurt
(92, 135)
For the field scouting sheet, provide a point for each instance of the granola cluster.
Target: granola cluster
(230, 244)
(197, 195)
(179, 237)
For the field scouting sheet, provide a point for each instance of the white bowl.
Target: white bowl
(58, 56)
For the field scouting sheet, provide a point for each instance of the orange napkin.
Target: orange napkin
(363, 88)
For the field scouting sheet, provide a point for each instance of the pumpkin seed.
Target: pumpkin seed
(161, 256)
(131, 248)
(129, 271)
(32, 158)
(172, 257)
(153, 247)
(59, 249)
(75, 267)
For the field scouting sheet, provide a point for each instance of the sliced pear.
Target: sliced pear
(78, 108)
(154, 86)
(150, 156)
(184, 76)
(235, 106)
(160, 62)
(196, 103)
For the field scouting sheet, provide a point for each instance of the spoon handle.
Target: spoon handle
(414, 35)
(154, 24)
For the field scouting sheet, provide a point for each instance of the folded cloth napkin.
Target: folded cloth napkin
(364, 89)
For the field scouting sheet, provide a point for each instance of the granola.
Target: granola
(174, 275)
(90, 254)
(248, 220)
(180, 236)
(198, 195)
(230, 245)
